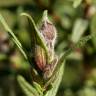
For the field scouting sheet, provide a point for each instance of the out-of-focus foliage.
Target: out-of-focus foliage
(73, 19)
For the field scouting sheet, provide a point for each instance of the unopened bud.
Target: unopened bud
(49, 33)
(40, 57)
(49, 68)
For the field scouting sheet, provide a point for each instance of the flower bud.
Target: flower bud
(49, 68)
(48, 31)
(40, 57)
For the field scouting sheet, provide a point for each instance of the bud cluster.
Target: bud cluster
(48, 32)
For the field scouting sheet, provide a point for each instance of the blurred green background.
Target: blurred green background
(73, 19)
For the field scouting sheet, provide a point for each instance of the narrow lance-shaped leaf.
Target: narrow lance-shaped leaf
(26, 87)
(38, 88)
(81, 43)
(56, 82)
(40, 38)
(13, 37)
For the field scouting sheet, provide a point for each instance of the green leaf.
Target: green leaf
(56, 82)
(93, 29)
(37, 33)
(80, 44)
(78, 29)
(26, 87)
(13, 37)
(38, 88)
(76, 3)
